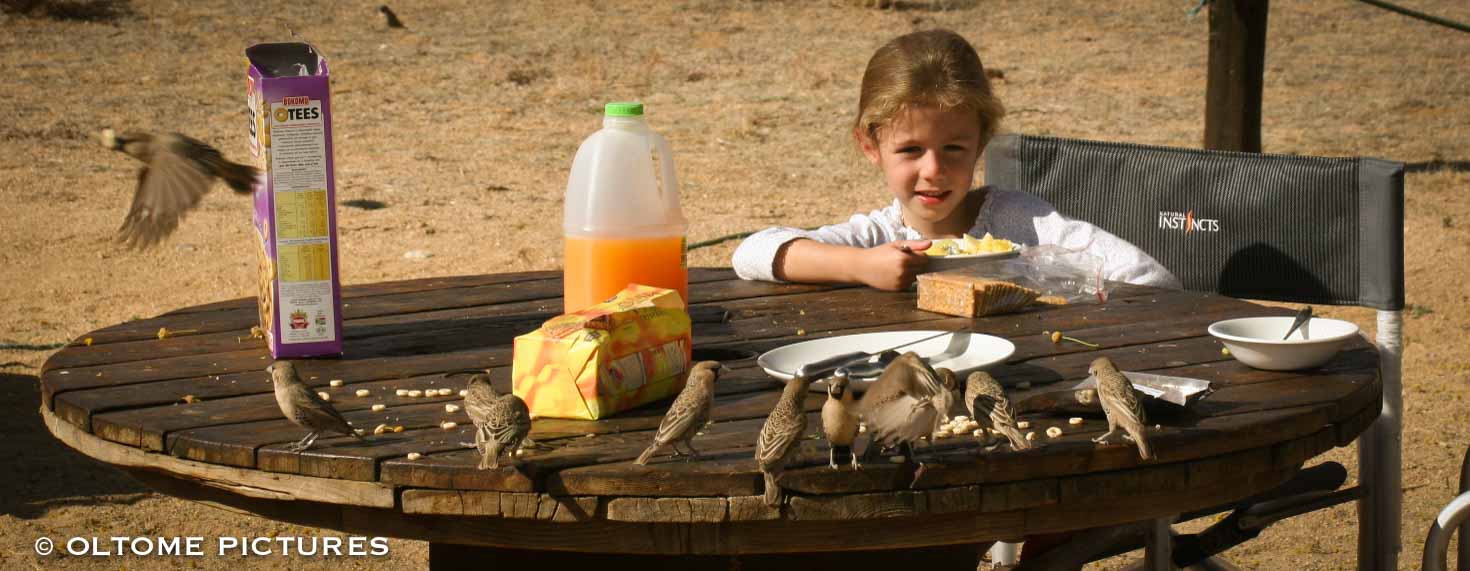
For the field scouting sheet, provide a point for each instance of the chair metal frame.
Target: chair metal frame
(1028, 163)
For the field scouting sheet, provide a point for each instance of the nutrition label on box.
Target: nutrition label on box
(302, 220)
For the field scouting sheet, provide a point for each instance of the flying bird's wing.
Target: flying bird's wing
(168, 186)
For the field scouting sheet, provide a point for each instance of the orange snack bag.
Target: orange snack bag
(628, 351)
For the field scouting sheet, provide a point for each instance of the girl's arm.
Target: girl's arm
(861, 250)
(890, 266)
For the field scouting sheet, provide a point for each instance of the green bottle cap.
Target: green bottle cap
(623, 109)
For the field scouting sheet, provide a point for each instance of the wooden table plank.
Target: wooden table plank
(79, 407)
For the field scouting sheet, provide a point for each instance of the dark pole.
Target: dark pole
(1237, 68)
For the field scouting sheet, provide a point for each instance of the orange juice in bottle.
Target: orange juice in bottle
(622, 220)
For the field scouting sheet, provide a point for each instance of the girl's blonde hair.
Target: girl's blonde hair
(929, 68)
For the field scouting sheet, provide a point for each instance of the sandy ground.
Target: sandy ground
(465, 124)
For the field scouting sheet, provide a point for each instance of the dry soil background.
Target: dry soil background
(465, 124)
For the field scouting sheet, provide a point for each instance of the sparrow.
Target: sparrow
(177, 171)
(304, 408)
(390, 20)
(779, 436)
(909, 401)
(501, 421)
(840, 420)
(989, 406)
(688, 414)
(1120, 404)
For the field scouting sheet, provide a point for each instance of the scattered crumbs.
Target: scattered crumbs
(414, 455)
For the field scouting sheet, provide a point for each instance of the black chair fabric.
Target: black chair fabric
(1273, 227)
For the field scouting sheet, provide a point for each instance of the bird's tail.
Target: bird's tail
(1143, 450)
(491, 458)
(1018, 440)
(773, 491)
(647, 455)
(240, 177)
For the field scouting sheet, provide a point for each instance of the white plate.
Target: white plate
(970, 352)
(942, 263)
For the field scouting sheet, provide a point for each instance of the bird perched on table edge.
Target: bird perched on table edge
(988, 405)
(177, 172)
(688, 414)
(304, 408)
(502, 422)
(840, 419)
(1120, 404)
(908, 402)
(780, 435)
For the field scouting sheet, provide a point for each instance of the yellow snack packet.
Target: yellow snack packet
(628, 351)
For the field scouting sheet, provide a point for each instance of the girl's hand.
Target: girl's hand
(894, 265)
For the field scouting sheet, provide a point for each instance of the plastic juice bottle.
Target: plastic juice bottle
(622, 222)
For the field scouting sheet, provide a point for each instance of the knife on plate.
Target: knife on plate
(824, 367)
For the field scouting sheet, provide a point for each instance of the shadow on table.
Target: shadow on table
(41, 473)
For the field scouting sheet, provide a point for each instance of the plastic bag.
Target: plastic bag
(1058, 273)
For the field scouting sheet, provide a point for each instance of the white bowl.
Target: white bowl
(1256, 341)
(942, 263)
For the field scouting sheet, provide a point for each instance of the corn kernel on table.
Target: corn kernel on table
(192, 414)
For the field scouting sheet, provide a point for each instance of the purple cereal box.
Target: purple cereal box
(300, 295)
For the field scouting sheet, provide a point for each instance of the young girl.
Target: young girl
(925, 113)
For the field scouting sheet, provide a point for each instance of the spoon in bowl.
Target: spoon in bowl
(1302, 317)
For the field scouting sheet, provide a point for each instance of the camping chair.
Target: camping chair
(1270, 227)
(1455, 514)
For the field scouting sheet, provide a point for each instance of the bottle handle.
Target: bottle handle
(668, 181)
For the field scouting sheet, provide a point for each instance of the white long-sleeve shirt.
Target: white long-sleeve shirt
(1020, 217)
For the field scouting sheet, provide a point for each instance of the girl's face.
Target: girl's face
(928, 160)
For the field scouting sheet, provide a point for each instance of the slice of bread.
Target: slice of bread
(969, 296)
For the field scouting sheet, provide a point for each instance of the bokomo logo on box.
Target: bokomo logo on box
(1187, 222)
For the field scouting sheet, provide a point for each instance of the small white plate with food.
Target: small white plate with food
(954, 253)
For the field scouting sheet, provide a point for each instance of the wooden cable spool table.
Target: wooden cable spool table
(192, 415)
